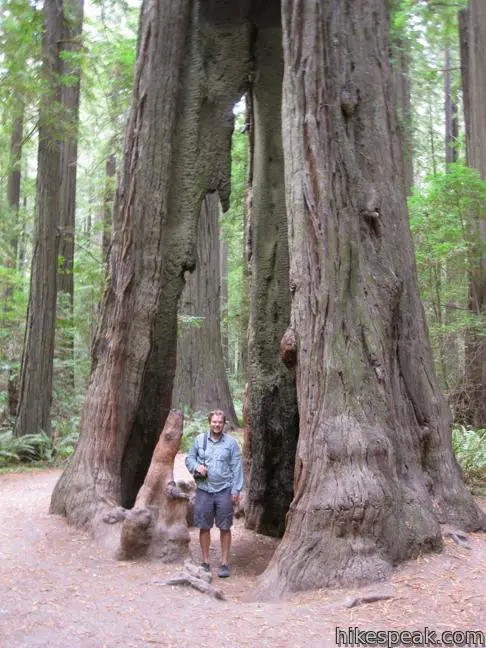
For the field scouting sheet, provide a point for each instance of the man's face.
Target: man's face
(217, 424)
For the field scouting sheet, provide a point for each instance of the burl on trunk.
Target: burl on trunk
(156, 527)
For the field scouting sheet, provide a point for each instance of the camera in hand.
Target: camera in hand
(198, 477)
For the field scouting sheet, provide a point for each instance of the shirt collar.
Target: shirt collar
(216, 441)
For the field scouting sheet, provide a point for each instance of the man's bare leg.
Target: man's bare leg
(205, 542)
(225, 535)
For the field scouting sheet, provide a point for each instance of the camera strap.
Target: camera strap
(205, 445)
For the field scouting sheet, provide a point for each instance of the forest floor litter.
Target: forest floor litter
(59, 589)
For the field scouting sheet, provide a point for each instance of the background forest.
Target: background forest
(61, 142)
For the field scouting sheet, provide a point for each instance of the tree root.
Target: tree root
(457, 535)
(354, 601)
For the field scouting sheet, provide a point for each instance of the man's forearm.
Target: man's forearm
(191, 461)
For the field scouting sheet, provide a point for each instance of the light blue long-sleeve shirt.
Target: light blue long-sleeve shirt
(223, 459)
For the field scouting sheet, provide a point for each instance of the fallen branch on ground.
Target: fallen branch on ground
(197, 578)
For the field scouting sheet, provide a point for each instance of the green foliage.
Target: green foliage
(442, 216)
(232, 224)
(106, 61)
(13, 449)
(20, 46)
(238, 403)
(194, 424)
(424, 31)
(34, 448)
(470, 450)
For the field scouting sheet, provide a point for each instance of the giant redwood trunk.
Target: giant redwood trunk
(200, 381)
(192, 66)
(473, 46)
(273, 415)
(35, 392)
(375, 473)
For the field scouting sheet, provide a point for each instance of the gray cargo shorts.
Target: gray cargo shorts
(209, 507)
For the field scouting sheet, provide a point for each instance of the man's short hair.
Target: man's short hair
(216, 413)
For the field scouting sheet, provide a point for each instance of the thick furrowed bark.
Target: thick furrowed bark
(375, 473)
(273, 415)
(189, 74)
(122, 344)
(205, 125)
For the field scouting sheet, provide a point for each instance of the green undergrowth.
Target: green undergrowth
(470, 450)
(37, 450)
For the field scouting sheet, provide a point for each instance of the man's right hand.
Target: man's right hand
(202, 470)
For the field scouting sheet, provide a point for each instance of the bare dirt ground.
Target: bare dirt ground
(58, 589)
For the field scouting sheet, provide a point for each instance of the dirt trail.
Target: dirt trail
(58, 589)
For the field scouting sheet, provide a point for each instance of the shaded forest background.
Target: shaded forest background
(82, 107)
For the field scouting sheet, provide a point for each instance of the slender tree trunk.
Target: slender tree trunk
(450, 112)
(11, 350)
(13, 201)
(223, 274)
(450, 344)
(70, 94)
(14, 176)
(200, 380)
(35, 391)
(473, 46)
(108, 204)
(401, 84)
(375, 473)
(273, 415)
(432, 135)
(165, 175)
(247, 251)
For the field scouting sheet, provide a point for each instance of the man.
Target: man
(215, 462)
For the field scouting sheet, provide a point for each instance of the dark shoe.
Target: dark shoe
(224, 571)
(206, 567)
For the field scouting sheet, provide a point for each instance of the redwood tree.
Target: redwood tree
(35, 391)
(14, 174)
(192, 66)
(375, 473)
(70, 93)
(200, 381)
(71, 45)
(473, 68)
(110, 170)
(273, 414)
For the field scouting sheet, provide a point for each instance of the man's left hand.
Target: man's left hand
(235, 499)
